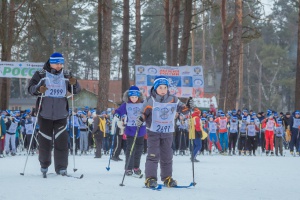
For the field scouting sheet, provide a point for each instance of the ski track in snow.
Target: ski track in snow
(217, 177)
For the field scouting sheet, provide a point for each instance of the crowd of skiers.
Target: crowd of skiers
(244, 131)
(236, 132)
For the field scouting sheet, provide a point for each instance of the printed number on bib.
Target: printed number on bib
(55, 92)
(163, 129)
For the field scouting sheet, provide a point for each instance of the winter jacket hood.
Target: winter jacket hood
(127, 100)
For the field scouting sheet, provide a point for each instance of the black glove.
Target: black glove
(190, 103)
(139, 121)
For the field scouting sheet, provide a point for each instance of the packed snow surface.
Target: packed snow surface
(217, 177)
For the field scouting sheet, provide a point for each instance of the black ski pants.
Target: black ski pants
(53, 131)
(136, 153)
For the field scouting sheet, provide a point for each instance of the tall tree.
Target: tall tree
(8, 36)
(125, 51)
(138, 37)
(168, 22)
(235, 56)
(297, 86)
(184, 45)
(175, 32)
(226, 29)
(99, 28)
(104, 68)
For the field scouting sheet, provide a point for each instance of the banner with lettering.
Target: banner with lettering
(185, 81)
(19, 69)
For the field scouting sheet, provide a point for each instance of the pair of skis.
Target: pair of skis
(161, 186)
(45, 175)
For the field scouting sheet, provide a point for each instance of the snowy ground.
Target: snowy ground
(217, 177)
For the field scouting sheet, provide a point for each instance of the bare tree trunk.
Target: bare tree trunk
(235, 57)
(125, 70)
(203, 38)
(249, 97)
(297, 86)
(241, 80)
(104, 67)
(175, 32)
(7, 37)
(138, 36)
(193, 36)
(259, 82)
(168, 31)
(99, 29)
(185, 33)
(226, 29)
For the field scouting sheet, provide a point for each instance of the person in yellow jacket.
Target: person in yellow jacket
(99, 132)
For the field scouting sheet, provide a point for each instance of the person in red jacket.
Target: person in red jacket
(222, 124)
(269, 125)
(198, 134)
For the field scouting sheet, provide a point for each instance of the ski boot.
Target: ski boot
(233, 152)
(272, 153)
(137, 171)
(229, 153)
(250, 153)
(170, 182)
(292, 153)
(128, 172)
(1, 156)
(44, 172)
(267, 153)
(240, 153)
(210, 153)
(297, 153)
(151, 182)
(62, 172)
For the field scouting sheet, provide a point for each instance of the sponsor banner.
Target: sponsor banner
(185, 81)
(19, 69)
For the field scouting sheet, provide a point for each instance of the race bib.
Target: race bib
(29, 128)
(13, 127)
(251, 130)
(233, 127)
(296, 123)
(223, 124)
(270, 125)
(212, 127)
(133, 111)
(56, 85)
(163, 117)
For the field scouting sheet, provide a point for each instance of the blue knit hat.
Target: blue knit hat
(134, 91)
(160, 80)
(56, 58)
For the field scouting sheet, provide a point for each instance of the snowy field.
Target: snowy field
(217, 177)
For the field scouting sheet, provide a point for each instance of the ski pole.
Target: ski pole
(193, 166)
(180, 141)
(130, 154)
(192, 153)
(73, 120)
(37, 115)
(112, 146)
